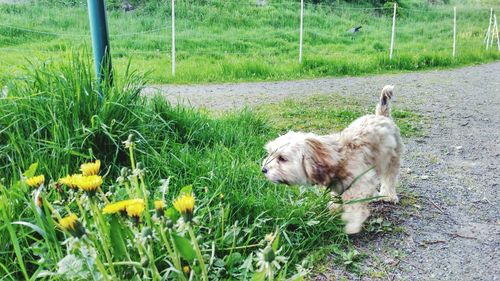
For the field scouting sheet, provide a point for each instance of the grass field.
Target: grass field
(53, 117)
(221, 41)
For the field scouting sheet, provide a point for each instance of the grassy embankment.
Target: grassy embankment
(229, 41)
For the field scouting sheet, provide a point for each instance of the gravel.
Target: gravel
(449, 227)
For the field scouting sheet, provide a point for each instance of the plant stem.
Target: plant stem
(98, 262)
(154, 270)
(173, 256)
(198, 252)
(145, 196)
(103, 231)
(126, 263)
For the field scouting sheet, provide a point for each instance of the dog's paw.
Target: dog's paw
(352, 228)
(389, 198)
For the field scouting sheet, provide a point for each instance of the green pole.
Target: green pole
(100, 41)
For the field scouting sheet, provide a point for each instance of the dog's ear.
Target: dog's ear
(319, 162)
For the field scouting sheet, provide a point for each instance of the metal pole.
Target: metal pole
(393, 31)
(454, 30)
(100, 41)
(173, 38)
(301, 29)
(489, 29)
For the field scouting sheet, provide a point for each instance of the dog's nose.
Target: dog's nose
(264, 170)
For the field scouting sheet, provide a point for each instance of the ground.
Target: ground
(447, 226)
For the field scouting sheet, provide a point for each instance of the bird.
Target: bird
(355, 29)
(127, 7)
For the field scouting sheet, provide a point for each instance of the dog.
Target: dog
(353, 163)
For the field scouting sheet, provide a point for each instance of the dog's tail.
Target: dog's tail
(383, 106)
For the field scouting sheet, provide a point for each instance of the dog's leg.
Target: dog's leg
(389, 179)
(354, 215)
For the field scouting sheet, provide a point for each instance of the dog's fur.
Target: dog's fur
(336, 160)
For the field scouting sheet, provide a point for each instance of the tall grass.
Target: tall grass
(52, 116)
(238, 40)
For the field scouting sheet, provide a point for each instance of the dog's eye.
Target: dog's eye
(281, 159)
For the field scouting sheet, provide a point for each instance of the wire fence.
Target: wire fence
(331, 32)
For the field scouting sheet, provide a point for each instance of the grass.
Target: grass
(326, 114)
(224, 41)
(52, 116)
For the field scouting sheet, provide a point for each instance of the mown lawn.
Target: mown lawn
(221, 41)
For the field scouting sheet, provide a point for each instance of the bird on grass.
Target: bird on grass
(353, 31)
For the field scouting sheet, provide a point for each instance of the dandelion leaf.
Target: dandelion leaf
(183, 245)
(117, 242)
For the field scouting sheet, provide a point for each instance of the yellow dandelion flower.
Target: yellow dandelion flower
(70, 181)
(186, 269)
(71, 224)
(120, 206)
(184, 204)
(35, 181)
(89, 183)
(89, 169)
(159, 207)
(135, 210)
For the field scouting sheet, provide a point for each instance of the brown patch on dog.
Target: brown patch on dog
(325, 164)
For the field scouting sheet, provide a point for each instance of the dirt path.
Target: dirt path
(451, 216)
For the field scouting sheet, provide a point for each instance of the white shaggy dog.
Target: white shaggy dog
(336, 160)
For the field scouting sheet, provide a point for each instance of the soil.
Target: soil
(447, 225)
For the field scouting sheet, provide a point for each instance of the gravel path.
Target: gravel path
(451, 220)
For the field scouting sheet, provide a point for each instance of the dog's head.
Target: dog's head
(301, 158)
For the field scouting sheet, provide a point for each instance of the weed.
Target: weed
(349, 259)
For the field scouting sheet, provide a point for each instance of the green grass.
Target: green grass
(332, 113)
(229, 41)
(52, 116)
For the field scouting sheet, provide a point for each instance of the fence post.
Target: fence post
(301, 29)
(173, 37)
(100, 41)
(492, 38)
(454, 30)
(489, 28)
(496, 28)
(393, 31)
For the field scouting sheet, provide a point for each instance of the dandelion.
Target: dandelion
(35, 181)
(120, 206)
(89, 184)
(186, 270)
(70, 181)
(184, 204)
(268, 260)
(72, 225)
(135, 211)
(159, 207)
(130, 142)
(90, 169)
